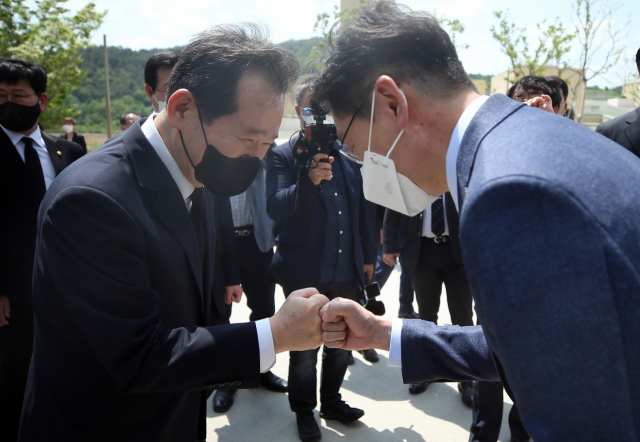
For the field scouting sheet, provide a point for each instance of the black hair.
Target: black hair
(123, 117)
(388, 39)
(638, 60)
(303, 87)
(564, 87)
(537, 85)
(213, 63)
(13, 70)
(162, 59)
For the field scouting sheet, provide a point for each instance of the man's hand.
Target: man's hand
(320, 171)
(390, 259)
(5, 310)
(232, 293)
(368, 273)
(297, 325)
(542, 102)
(348, 325)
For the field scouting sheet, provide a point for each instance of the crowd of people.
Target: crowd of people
(119, 275)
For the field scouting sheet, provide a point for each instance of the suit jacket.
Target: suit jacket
(78, 139)
(20, 202)
(411, 248)
(624, 130)
(226, 268)
(296, 263)
(549, 235)
(262, 223)
(121, 301)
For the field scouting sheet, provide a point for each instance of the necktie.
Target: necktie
(34, 167)
(437, 217)
(197, 220)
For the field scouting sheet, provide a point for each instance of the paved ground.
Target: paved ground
(392, 414)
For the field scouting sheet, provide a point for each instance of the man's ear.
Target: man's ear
(180, 107)
(391, 101)
(149, 92)
(44, 102)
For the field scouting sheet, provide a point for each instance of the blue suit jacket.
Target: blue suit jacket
(262, 223)
(296, 263)
(122, 351)
(550, 241)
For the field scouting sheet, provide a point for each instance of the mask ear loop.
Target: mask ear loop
(373, 104)
(200, 118)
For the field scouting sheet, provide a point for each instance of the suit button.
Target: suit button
(217, 386)
(236, 384)
(226, 384)
(208, 387)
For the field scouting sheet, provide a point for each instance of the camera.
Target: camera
(320, 129)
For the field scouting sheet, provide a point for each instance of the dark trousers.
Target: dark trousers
(302, 364)
(436, 266)
(487, 414)
(383, 271)
(257, 284)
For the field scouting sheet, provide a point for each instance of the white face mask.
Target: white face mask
(161, 104)
(384, 186)
(67, 128)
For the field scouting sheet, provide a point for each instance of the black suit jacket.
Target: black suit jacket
(20, 202)
(120, 300)
(624, 130)
(411, 248)
(78, 139)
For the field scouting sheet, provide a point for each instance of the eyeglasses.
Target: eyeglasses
(19, 98)
(345, 152)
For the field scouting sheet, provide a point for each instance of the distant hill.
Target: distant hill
(126, 83)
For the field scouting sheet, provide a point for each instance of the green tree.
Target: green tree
(48, 34)
(531, 58)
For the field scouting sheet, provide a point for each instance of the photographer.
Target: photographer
(325, 240)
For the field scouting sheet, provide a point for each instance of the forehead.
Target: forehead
(164, 73)
(21, 84)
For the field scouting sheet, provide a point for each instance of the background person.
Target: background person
(557, 311)
(127, 119)
(31, 159)
(157, 72)
(69, 133)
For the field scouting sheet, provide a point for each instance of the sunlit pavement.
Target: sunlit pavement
(391, 413)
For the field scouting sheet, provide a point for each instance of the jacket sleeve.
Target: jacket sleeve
(446, 353)
(391, 229)
(284, 187)
(102, 275)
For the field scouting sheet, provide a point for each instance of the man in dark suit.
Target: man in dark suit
(31, 159)
(548, 230)
(123, 348)
(432, 252)
(625, 129)
(324, 240)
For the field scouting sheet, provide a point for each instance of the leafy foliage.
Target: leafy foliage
(51, 36)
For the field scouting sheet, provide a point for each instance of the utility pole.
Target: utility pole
(106, 80)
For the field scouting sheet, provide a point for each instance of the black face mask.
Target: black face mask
(17, 117)
(222, 175)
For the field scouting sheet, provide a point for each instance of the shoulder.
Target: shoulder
(618, 123)
(69, 146)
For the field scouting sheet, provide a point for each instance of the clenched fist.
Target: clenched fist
(297, 325)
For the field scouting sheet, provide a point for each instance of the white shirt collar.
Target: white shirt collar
(151, 132)
(15, 137)
(454, 145)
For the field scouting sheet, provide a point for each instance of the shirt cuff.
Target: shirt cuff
(395, 348)
(265, 343)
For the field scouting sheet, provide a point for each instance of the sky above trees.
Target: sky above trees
(145, 24)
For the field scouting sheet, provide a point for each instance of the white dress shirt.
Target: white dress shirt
(426, 222)
(395, 348)
(263, 326)
(38, 144)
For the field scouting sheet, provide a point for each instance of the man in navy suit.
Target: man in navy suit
(325, 240)
(548, 229)
(123, 273)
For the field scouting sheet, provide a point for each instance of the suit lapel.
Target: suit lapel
(491, 113)
(632, 131)
(11, 161)
(55, 152)
(169, 206)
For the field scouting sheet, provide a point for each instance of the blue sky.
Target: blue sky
(139, 24)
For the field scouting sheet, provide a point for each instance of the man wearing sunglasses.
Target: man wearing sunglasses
(548, 229)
